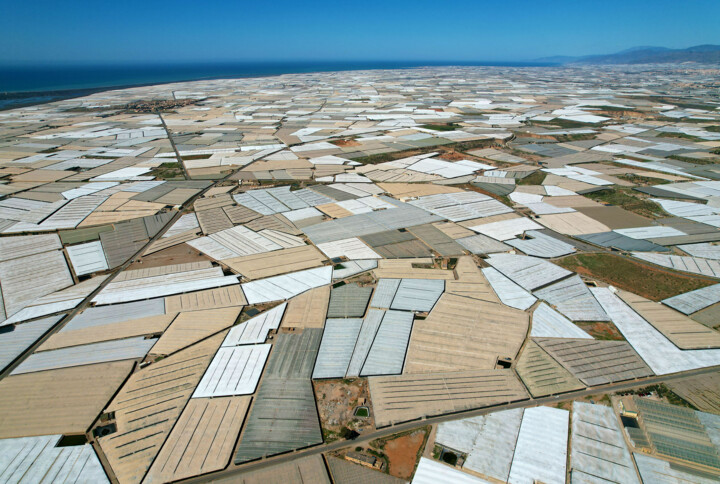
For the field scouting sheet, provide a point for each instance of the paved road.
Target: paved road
(178, 158)
(234, 471)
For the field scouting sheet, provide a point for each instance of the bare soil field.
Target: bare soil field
(602, 330)
(336, 401)
(641, 279)
(180, 254)
(345, 142)
(403, 452)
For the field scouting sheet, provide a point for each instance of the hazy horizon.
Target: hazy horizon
(50, 78)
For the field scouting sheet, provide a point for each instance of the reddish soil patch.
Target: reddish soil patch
(537, 136)
(454, 156)
(345, 142)
(179, 254)
(602, 331)
(402, 453)
(621, 114)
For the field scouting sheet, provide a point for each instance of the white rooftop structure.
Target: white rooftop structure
(432, 472)
(38, 460)
(541, 449)
(255, 330)
(283, 287)
(233, 371)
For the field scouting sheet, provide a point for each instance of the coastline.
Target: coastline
(14, 99)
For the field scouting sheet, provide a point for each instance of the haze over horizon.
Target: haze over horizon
(462, 31)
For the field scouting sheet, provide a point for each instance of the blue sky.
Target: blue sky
(111, 31)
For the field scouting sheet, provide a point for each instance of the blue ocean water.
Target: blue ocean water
(23, 85)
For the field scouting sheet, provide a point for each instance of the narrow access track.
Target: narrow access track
(172, 143)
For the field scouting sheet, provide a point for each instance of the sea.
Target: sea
(29, 85)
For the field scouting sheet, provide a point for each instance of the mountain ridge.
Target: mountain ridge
(705, 53)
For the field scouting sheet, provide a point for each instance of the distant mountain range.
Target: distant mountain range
(707, 54)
